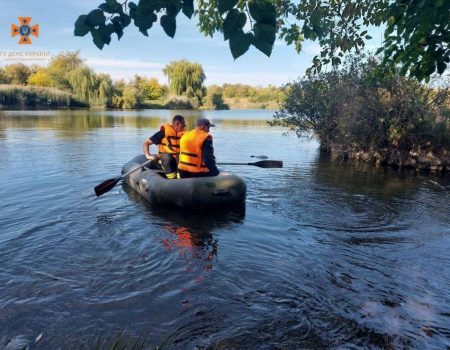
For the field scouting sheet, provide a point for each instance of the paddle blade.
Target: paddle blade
(105, 186)
(268, 164)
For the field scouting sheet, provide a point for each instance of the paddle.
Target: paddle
(261, 164)
(107, 185)
(260, 157)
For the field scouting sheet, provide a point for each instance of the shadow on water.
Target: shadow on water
(365, 179)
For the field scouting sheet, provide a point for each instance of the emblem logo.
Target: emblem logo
(24, 30)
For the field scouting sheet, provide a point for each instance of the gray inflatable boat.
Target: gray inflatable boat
(216, 191)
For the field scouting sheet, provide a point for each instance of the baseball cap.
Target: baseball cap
(204, 121)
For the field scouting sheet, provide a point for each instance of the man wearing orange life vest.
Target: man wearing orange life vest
(168, 141)
(197, 152)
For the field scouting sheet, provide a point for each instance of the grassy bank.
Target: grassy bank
(21, 97)
(247, 103)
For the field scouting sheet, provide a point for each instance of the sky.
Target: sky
(137, 54)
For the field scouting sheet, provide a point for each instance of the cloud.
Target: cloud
(255, 78)
(126, 69)
(123, 64)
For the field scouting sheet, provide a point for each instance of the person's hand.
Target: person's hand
(150, 157)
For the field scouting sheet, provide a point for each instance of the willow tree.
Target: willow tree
(105, 91)
(186, 79)
(60, 67)
(83, 83)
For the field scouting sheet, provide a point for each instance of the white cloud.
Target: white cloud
(126, 69)
(254, 78)
(124, 64)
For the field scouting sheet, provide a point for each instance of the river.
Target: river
(325, 254)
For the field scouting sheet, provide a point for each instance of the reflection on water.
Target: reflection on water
(84, 120)
(324, 254)
(192, 232)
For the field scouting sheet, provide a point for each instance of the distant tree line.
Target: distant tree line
(68, 73)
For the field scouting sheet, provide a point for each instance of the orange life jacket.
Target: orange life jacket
(191, 151)
(171, 140)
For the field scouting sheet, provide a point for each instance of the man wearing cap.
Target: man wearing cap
(197, 152)
(168, 141)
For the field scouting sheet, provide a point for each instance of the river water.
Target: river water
(325, 254)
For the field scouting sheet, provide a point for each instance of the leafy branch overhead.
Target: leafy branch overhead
(416, 38)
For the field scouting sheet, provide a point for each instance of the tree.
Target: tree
(61, 66)
(3, 79)
(186, 78)
(417, 33)
(105, 92)
(217, 102)
(40, 78)
(83, 83)
(156, 90)
(16, 73)
(150, 88)
(354, 108)
(132, 97)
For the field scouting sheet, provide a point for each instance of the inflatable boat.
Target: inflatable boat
(216, 191)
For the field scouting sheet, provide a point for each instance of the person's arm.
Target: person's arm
(154, 140)
(208, 157)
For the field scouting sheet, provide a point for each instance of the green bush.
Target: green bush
(215, 101)
(361, 107)
(178, 102)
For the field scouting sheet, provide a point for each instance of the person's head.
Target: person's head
(203, 124)
(178, 123)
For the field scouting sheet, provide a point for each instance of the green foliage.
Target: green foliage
(67, 73)
(16, 73)
(417, 32)
(40, 78)
(18, 96)
(354, 107)
(178, 102)
(60, 67)
(105, 91)
(214, 99)
(149, 87)
(242, 96)
(255, 94)
(83, 83)
(132, 97)
(3, 79)
(417, 36)
(186, 78)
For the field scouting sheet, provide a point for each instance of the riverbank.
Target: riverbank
(17, 97)
(24, 97)
(419, 160)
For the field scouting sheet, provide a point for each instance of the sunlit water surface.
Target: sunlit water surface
(325, 255)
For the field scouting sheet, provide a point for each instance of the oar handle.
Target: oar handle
(235, 163)
(137, 168)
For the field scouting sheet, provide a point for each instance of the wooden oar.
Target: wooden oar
(107, 185)
(261, 164)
